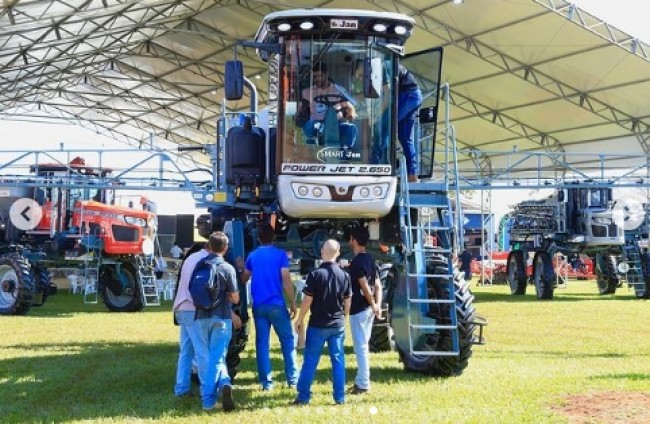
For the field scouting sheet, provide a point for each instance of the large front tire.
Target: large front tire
(441, 340)
(120, 289)
(517, 272)
(16, 285)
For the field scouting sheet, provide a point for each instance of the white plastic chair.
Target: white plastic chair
(170, 288)
(76, 285)
(160, 286)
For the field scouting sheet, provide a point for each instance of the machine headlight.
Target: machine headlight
(364, 192)
(400, 30)
(134, 220)
(284, 27)
(303, 190)
(317, 192)
(377, 191)
(307, 25)
(379, 27)
(623, 268)
(604, 221)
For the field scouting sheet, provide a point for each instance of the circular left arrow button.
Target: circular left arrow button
(25, 214)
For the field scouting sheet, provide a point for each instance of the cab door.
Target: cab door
(426, 66)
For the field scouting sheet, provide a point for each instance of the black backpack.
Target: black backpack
(205, 284)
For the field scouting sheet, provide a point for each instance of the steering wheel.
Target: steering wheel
(330, 100)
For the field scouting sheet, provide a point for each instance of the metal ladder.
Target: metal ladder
(92, 261)
(634, 275)
(147, 281)
(91, 278)
(427, 199)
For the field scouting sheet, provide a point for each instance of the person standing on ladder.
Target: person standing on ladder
(409, 100)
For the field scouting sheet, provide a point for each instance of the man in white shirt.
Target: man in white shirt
(176, 252)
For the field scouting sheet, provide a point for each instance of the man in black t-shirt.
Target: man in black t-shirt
(327, 295)
(366, 304)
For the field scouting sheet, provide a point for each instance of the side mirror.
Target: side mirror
(561, 196)
(234, 78)
(373, 71)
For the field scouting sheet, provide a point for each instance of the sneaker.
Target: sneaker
(268, 388)
(356, 390)
(210, 408)
(185, 395)
(413, 178)
(226, 398)
(298, 402)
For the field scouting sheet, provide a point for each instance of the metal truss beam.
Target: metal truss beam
(166, 108)
(481, 162)
(530, 74)
(544, 140)
(598, 27)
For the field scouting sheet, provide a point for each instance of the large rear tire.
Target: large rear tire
(445, 366)
(543, 275)
(517, 272)
(120, 290)
(16, 285)
(381, 336)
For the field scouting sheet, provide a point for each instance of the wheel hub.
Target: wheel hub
(8, 286)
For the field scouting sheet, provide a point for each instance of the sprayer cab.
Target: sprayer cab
(332, 94)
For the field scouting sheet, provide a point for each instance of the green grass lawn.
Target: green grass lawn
(70, 362)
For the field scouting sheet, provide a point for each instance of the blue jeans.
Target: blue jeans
(277, 316)
(316, 338)
(209, 339)
(347, 133)
(360, 328)
(408, 103)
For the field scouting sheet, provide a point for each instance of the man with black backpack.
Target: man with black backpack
(207, 288)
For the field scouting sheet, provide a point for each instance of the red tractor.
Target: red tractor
(69, 219)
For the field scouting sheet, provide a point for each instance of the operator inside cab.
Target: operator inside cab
(327, 117)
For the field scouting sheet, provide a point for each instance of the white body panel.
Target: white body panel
(340, 196)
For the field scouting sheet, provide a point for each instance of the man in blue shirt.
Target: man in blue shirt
(268, 268)
(408, 101)
(366, 304)
(327, 295)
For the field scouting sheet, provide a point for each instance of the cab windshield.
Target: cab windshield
(326, 117)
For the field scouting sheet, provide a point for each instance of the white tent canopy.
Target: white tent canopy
(537, 75)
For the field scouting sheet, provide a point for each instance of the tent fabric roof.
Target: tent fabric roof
(536, 74)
